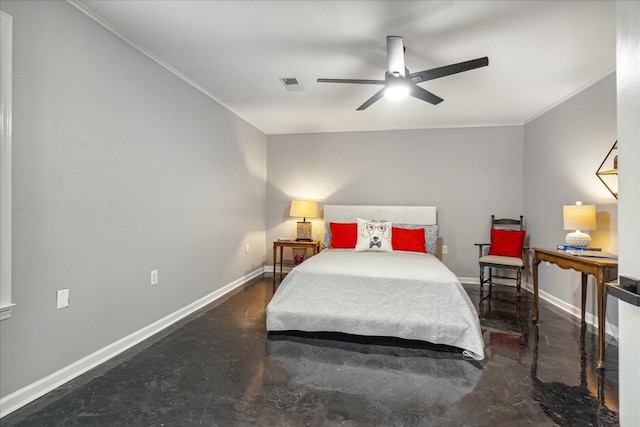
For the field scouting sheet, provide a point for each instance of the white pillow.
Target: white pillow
(373, 236)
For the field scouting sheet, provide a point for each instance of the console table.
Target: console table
(603, 269)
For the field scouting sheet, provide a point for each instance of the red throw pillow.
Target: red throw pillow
(343, 235)
(506, 243)
(404, 239)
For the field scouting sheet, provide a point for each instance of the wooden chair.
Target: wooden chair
(506, 252)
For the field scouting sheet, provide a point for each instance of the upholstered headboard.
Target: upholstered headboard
(399, 214)
(425, 215)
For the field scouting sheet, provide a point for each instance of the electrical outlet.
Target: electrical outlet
(445, 249)
(62, 298)
(246, 249)
(154, 277)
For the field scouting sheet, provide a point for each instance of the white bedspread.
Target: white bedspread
(397, 294)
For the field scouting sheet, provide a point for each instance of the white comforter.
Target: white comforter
(397, 294)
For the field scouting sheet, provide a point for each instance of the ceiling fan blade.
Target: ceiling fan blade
(358, 81)
(371, 100)
(395, 56)
(425, 95)
(447, 70)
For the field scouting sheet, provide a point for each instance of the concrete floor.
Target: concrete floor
(219, 367)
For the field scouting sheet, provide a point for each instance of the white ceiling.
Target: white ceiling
(540, 53)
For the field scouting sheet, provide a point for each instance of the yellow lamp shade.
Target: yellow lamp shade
(579, 217)
(304, 209)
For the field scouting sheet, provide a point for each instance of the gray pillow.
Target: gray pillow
(326, 242)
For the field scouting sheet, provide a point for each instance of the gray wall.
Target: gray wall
(119, 168)
(563, 149)
(468, 173)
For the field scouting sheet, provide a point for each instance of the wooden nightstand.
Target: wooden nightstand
(314, 246)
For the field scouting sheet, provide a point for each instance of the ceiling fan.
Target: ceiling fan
(398, 82)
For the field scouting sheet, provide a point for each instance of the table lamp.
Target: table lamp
(579, 217)
(305, 209)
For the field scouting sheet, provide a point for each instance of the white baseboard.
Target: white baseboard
(592, 320)
(469, 280)
(285, 269)
(33, 391)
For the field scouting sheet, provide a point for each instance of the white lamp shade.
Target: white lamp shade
(304, 209)
(579, 217)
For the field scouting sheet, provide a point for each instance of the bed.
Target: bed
(402, 294)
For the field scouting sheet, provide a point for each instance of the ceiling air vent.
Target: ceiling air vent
(292, 84)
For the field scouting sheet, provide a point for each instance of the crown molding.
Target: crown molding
(571, 94)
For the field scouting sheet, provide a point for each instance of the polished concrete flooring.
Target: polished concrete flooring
(219, 367)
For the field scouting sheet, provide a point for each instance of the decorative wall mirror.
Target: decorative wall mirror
(608, 170)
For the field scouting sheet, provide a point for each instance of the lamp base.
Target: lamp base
(303, 231)
(578, 238)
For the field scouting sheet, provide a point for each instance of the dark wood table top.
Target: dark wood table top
(605, 262)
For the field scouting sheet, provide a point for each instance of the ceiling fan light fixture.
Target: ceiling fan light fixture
(399, 82)
(396, 92)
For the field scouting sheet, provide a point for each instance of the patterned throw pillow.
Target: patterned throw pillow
(326, 242)
(373, 236)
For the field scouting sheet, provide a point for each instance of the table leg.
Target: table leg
(534, 266)
(275, 251)
(584, 299)
(602, 313)
(281, 259)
